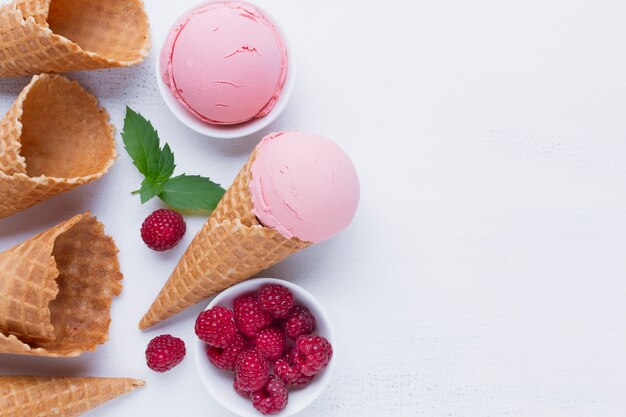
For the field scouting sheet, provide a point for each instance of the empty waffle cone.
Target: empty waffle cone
(231, 247)
(38, 396)
(56, 290)
(53, 139)
(70, 35)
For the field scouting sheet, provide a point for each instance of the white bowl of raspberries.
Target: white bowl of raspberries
(265, 346)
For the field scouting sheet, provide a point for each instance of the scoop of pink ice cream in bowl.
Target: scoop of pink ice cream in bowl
(225, 69)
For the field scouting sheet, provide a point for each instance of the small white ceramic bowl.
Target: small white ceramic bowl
(241, 129)
(219, 383)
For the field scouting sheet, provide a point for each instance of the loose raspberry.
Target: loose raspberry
(227, 357)
(270, 343)
(163, 229)
(216, 327)
(249, 318)
(312, 354)
(272, 398)
(276, 300)
(299, 322)
(239, 390)
(283, 368)
(251, 370)
(165, 352)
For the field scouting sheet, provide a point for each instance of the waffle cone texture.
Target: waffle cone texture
(56, 290)
(70, 35)
(36, 396)
(231, 246)
(53, 139)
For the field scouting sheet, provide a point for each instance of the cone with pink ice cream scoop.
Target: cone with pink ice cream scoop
(30, 396)
(46, 36)
(296, 189)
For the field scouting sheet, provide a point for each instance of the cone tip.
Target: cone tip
(146, 322)
(138, 383)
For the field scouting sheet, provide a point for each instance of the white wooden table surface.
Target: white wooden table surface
(484, 274)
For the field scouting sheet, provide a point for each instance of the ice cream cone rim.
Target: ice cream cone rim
(14, 339)
(43, 178)
(32, 19)
(18, 123)
(46, 29)
(19, 126)
(53, 275)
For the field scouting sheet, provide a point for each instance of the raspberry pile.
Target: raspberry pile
(267, 340)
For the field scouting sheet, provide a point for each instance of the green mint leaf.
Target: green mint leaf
(191, 192)
(141, 142)
(149, 189)
(165, 164)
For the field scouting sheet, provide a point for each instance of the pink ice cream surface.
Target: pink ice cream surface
(303, 185)
(225, 63)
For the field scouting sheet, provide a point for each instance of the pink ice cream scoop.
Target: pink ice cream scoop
(303, 185)
(225, 63)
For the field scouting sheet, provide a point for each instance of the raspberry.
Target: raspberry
(239, 390)
(283, 368)
(270, 343)
(165, 352)
(272, 398)
(226, 358)
(216, 327)
(312, 354)
(249, 318)
(299, 322)
(251, 370)
(276, 300)
(163, 229)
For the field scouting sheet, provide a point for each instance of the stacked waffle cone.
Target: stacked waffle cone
(70, 35)
(231, 247)
(56, 290)
(31, 396)
(53, 139)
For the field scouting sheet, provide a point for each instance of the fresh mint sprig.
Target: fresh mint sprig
(183, 192)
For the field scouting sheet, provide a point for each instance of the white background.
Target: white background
(484, 272)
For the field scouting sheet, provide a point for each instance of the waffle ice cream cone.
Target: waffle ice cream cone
(37, 396)
(70, 35)
(231, 247)
(53, 139)
(56, 290)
